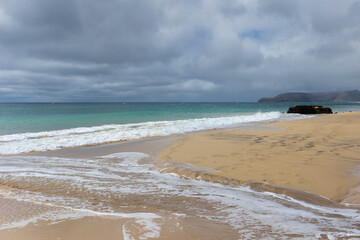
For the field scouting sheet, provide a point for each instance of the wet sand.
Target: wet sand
(152, 146)
(111, 228)
(320, 155)
(105, 227)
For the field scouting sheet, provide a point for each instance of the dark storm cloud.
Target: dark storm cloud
(37, 22)
(138, 50)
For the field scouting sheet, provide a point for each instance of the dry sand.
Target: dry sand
(320, 155)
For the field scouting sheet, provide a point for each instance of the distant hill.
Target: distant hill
(345, 96)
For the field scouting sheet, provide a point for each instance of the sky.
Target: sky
(168, 50)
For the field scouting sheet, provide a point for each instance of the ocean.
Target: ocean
(130, 187)
(27, 127)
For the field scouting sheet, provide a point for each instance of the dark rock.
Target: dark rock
(310, 109)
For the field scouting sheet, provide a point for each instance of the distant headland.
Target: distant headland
(344, 96)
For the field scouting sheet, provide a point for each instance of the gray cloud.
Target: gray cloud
(138, 50)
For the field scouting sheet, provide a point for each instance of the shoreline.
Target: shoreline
(152, 146)
(34, 142)
(323, 165)
(190, 227)
(174, 226)
(157, 147)
(255, 125)
(195, 172)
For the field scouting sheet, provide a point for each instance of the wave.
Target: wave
(123, 185)
(75, 137)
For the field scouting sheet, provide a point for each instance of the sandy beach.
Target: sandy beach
(308, 159)
(319, 155)
(194, 120)
(174, 226)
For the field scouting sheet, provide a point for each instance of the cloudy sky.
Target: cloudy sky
(168, 50)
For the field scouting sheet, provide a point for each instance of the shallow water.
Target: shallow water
(27, 127)
(39, 117)
(51, 140)
(128, 185)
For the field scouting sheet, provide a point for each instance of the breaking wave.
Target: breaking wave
(75, 137)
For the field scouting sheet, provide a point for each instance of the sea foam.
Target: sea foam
(74, 137)
(116, 185)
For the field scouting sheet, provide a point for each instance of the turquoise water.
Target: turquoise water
(55, 189)
(37, 117)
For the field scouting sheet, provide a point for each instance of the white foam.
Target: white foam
(126, 233)
(151, 228)
(51, 140)
(54, 216)
(247, 211)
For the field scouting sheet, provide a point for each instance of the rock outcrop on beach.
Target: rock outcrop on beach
(310, 109)
(345, 96)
